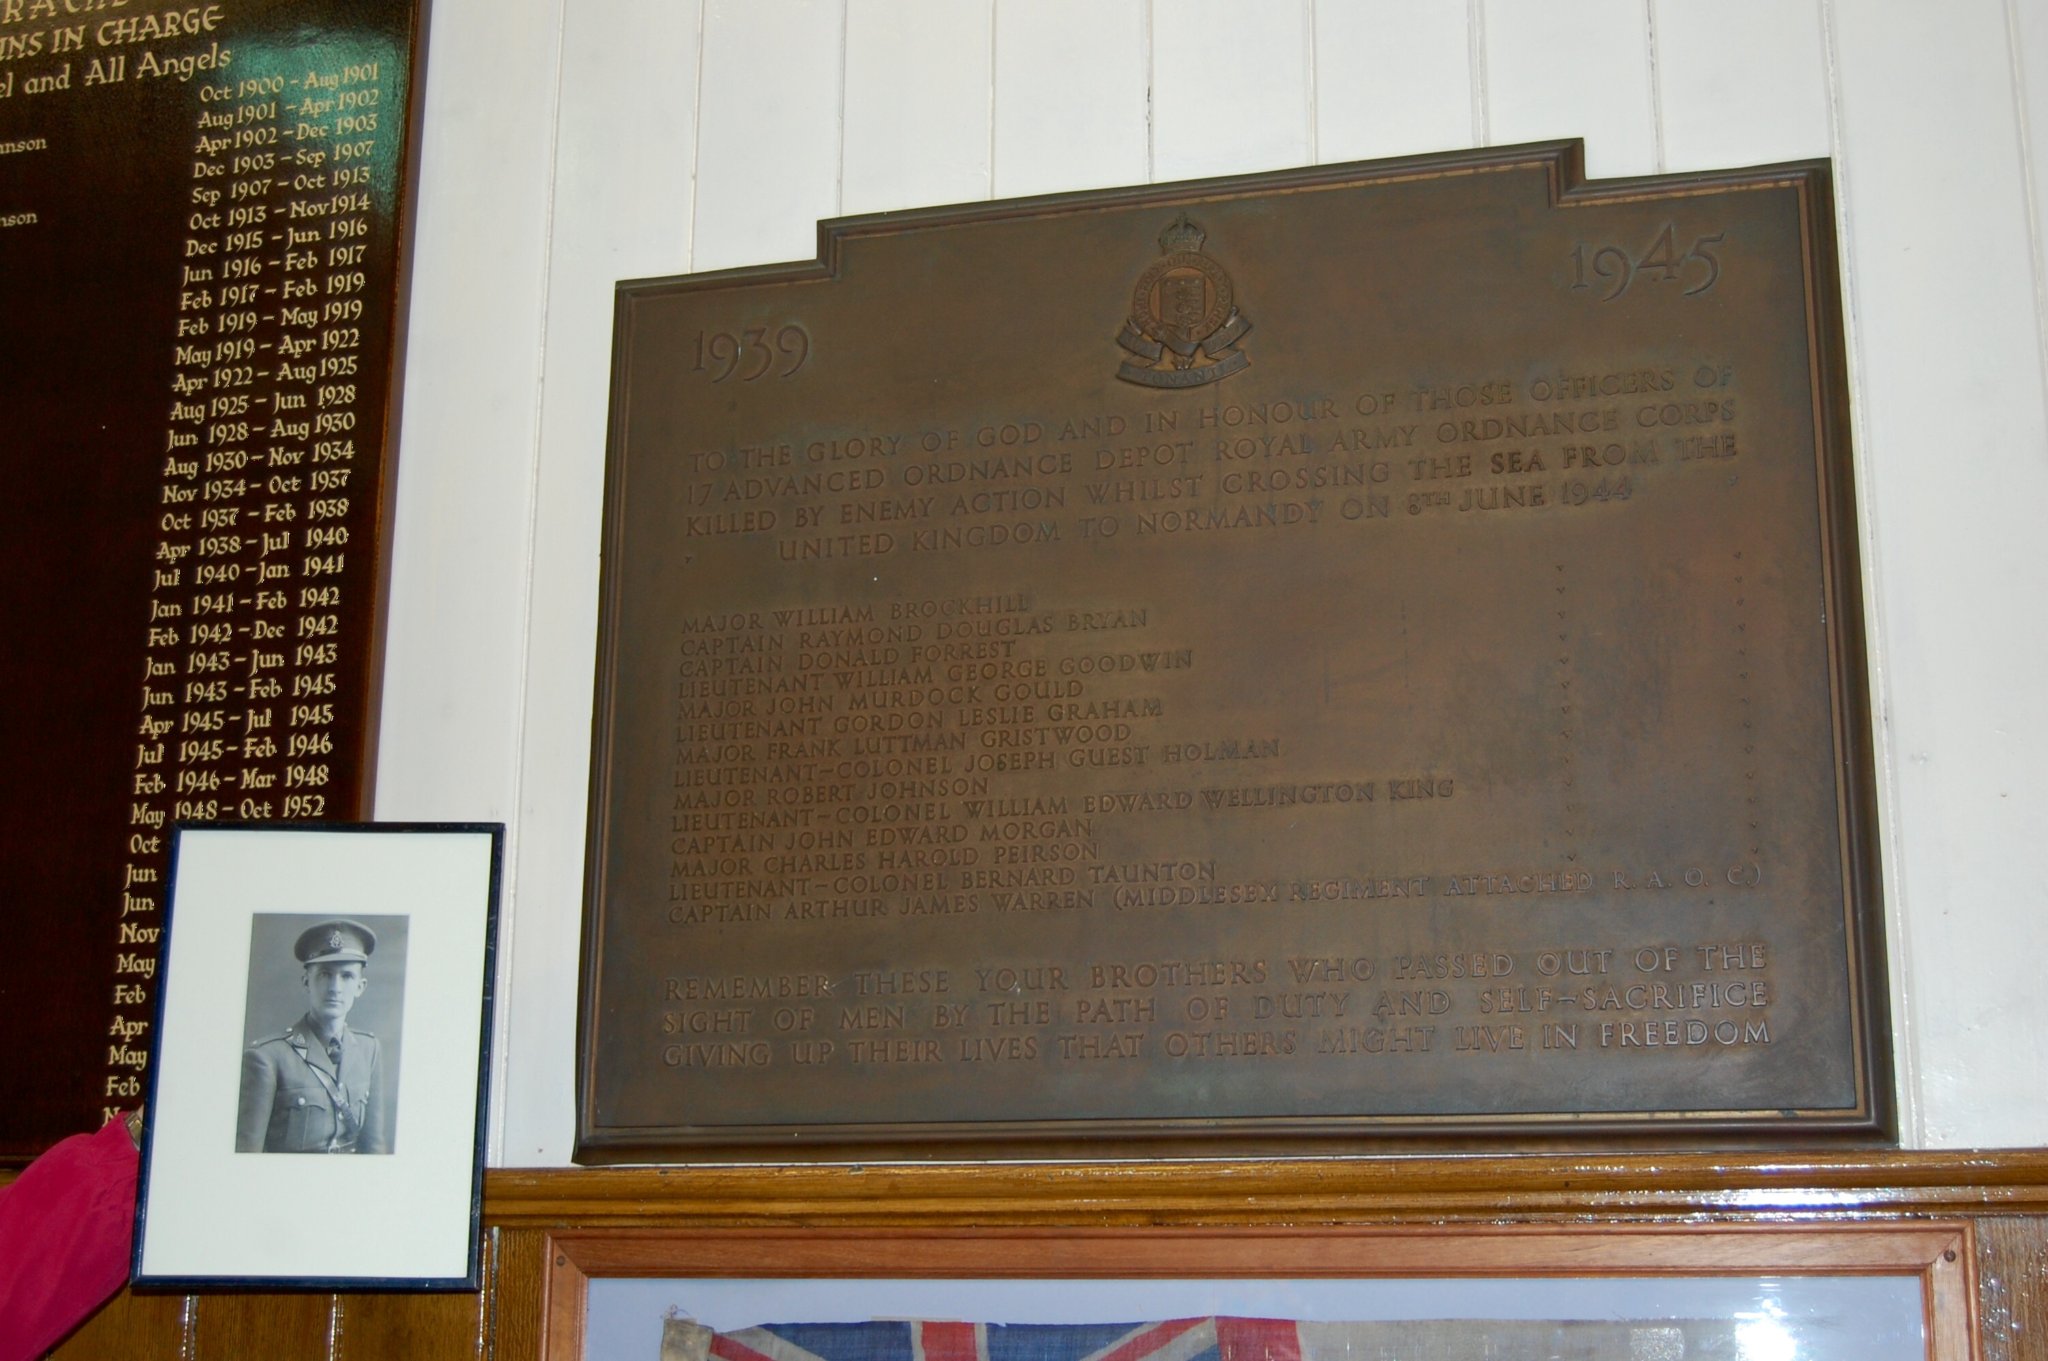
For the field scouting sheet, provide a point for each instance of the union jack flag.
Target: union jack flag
(1187, 1339)
(1210, 1339)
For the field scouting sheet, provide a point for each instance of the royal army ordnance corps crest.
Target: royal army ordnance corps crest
(1184, 324)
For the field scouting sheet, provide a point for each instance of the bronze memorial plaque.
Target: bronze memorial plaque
(1362, 651)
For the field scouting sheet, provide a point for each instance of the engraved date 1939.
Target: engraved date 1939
(752, 352)
(1615, 268)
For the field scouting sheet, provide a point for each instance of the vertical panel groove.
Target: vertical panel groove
(994, 69)
(1482, 131)
(1308, 79)
(845, 43)
(2030, 190)
(696, 141)
(1151, 126)
(1905, 1045)
(484, 1346)
(1656, 83)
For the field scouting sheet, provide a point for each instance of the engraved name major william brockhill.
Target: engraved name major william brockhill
(318, 1087)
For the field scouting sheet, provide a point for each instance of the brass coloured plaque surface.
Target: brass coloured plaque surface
(1364, 651)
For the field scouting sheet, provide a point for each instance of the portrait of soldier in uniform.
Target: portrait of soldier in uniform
(321, 1083)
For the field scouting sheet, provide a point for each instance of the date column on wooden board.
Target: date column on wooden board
(1358, 654)
(200, 229)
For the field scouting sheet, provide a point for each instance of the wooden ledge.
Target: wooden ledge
(1303, 1191)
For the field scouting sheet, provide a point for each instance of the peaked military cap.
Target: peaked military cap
(335, 941)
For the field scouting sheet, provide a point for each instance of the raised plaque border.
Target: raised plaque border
(1869, 1122)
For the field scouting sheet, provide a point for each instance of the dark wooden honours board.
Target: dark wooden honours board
(200, 222)
(1370, 652)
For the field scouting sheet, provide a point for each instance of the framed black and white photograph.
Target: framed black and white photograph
(320, 1046)
(317, 1100)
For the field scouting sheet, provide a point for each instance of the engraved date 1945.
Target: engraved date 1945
(1615, 268)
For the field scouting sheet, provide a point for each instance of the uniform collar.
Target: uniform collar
(305, 1037)
(309, 1029)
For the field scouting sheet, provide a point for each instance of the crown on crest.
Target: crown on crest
(1182, 235)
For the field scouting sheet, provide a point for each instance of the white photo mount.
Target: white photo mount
(253, 910)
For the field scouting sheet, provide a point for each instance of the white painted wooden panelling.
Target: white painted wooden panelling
(1071, 96)
(2029, 25)
(1572, 68)
(768, 128)
(1230, 87)
(1740, 82)
(454, 634)
(1952, 440)
(622, 210)
(1392, 78)
(654, 135)
(918, 74)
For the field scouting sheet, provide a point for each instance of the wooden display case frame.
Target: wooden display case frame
(549, 1231)
(1940, 1253)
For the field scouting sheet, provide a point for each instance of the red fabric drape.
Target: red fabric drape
(65, 1228)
